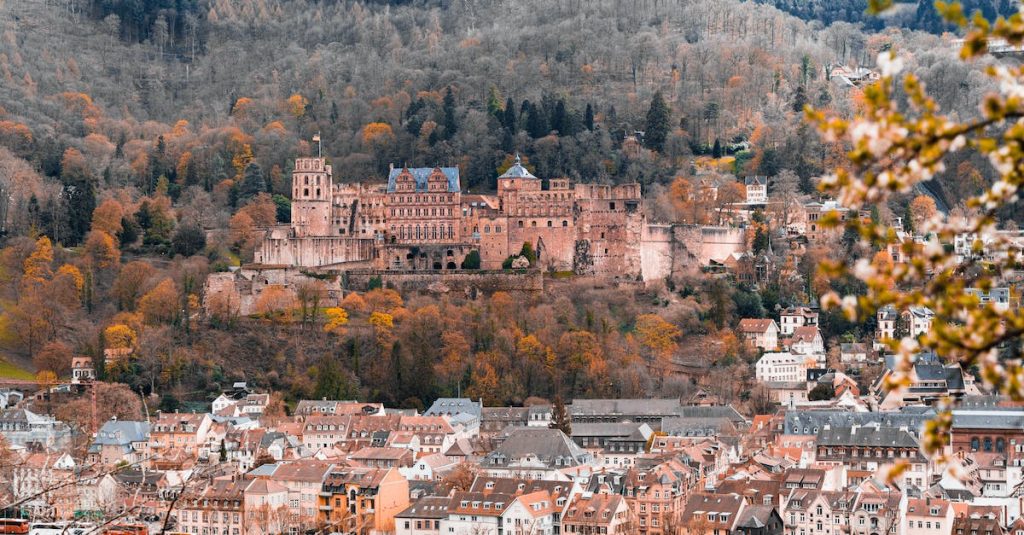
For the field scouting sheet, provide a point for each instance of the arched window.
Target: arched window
(1000, 445)
(533, 223)
(988, 444)
(565, 223)
(549, 222)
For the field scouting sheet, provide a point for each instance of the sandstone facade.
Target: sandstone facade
(420, 220)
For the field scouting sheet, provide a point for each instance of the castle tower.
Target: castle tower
(312, 189)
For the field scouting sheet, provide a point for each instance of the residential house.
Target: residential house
(534, 453)
(265, 507)
(120, 441)
(613, 444)
(784, 367)
(358, 500)
(303, 479)
(793, 317)
(179, 431)
(26, 429)
(710, 513)
(423, 517)
(865, 449)
(213, 507)
(760, 333)
(807, 340)
(82, 370)
(374, 457)
(757, 189)
(598, 514)
(854, 353)
(655, 492)
(927, 516)
(886, 318)
(997, 298)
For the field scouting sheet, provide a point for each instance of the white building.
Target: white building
(757, 189)
(794, 317)
(781, 367)
(761, 333)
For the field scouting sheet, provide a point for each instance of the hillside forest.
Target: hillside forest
(144, 144)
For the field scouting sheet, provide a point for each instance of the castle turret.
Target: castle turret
(311, 197)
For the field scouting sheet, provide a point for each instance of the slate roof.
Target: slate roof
(623, 430)
(755, 516)
(696, 426)
(713, 411)
(624, 407)
(517, 170)
(452, 406)
(759, 180)
(991, 418)
(120, 433)
(547, 445)
(867, 436)
(811, 421)
(432, 507)
(421, 174)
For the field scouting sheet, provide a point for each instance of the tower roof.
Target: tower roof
(517, 170)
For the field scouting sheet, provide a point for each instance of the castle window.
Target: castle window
(487, 229)
(317, 192)
(565, 223)
(305, 180)
(602, 235)
(533, 223)
(497, 229)
(611, 206)
(520, 223)
(549, 222)
(305, 191)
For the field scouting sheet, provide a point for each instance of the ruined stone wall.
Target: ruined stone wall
(425, 257)
(240, 290)
(609, 231)
(281, 248)
(682, 250)
(464, 282)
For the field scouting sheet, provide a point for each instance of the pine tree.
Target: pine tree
(799, 99)
(560, 119)
(509, 116)
(448, 107)
(560, 416)
(716, 150)
(658, 123)
(536, 123)
(588, 117)
(253, 182)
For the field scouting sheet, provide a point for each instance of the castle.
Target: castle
(421, 220)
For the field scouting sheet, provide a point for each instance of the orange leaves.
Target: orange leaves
(243, 106)
(160, 305)
(101, 250)
(657, 336)
(377, 133)
(37, 268)
(297, 105)
(107, 217)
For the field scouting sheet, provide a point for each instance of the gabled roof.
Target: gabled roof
(432, 507)
(757, 180)
(755, 325)
(422, 174)
(549, 446)
(805, 334)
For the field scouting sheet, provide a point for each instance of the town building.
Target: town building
(781, 367)
(793, 317)
(760, 333)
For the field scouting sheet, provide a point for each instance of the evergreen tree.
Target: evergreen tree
(536, 123)
(252, 184)
(331, 381)
(560, 416)
(188, 240)
(448, 108)
(79, 203)
(509, 116)
(760, 240)
(560, 119)
(658, 123)
(716, 150)
(588, 117)
(799, 99)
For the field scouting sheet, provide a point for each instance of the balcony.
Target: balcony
(326, 508)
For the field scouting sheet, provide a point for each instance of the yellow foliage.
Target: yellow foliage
(72, 274)
(160, 305)
(337, 318)
(657, 335)
(377, 133)
(119, 336)
(297, 105)
(37, 265)
(382, 320)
